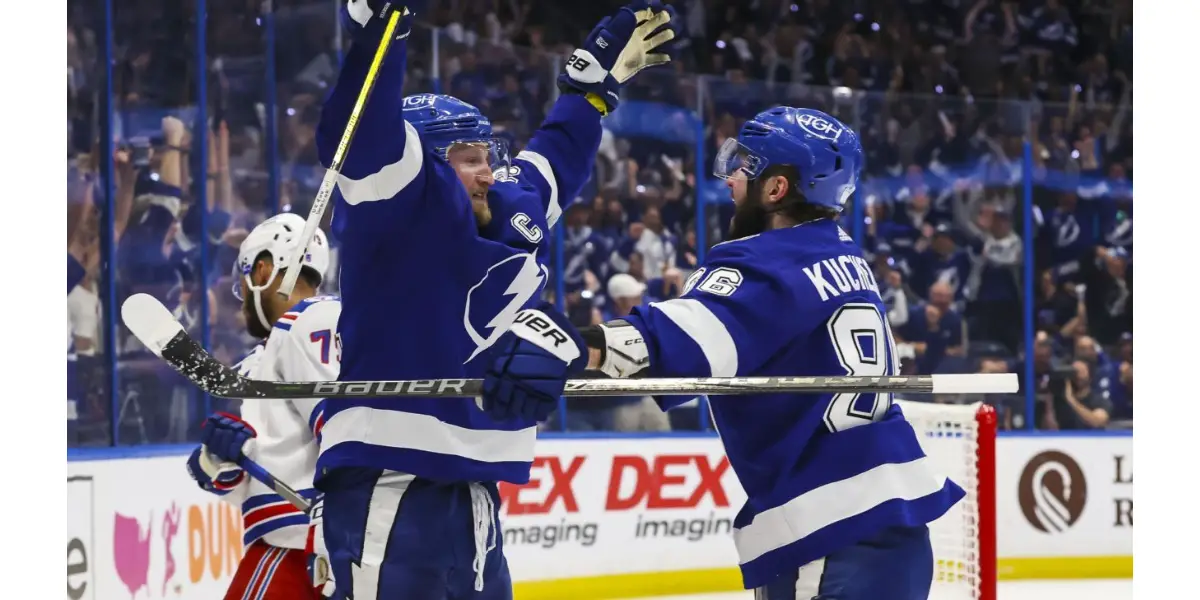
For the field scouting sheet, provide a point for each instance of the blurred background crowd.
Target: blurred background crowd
(997, 133)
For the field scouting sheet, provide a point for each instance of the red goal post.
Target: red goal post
(961, 440)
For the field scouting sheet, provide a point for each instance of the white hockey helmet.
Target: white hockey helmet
(279, 237)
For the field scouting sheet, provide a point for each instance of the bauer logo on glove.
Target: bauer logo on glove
(531, 365)
(535, 327)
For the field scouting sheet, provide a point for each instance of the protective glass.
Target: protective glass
(497, 151)
(238, 275)
(734, 158)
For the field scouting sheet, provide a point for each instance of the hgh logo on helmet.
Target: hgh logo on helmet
(822, 128)
(1052, 492)
(418, 101)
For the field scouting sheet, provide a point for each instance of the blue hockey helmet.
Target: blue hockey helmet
(826, 153)
(445, 120)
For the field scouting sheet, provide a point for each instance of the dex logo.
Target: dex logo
(666, 481)
(547, 473)
(1052, 492)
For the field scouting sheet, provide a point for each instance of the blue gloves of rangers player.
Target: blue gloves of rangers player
(618, 48)
(365, 19)
(223, 440)
(531, 365)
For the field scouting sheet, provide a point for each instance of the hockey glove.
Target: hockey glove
(617, 49)
(365, 19)
(226, 436)
(531, 365)
(212, 474)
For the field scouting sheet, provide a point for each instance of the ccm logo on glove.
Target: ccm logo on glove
(535, 327)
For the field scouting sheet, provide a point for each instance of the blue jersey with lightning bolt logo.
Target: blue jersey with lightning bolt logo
(425, 290)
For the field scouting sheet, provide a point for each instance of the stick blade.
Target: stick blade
(150, 321)
(973, 383)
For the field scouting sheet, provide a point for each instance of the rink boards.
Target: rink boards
(600, 517)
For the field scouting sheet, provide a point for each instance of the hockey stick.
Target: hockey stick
(154, 325)
(325, 192)
(284, 490)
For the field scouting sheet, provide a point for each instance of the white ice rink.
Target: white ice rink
(1099, 589)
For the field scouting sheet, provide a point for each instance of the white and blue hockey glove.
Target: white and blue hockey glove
(223, 442)
(365, 19)
(617, 49)
(213, 474)
(531, 365)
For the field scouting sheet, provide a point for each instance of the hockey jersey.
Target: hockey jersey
(426, 292)
(302, 346)
(821, 472)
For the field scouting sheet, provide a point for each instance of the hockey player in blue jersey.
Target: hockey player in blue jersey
(443, 240)
(839, 490)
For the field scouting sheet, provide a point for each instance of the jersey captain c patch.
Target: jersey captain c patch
(524, 225)
(495, 300)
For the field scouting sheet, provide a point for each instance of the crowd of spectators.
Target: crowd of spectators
(944, 92)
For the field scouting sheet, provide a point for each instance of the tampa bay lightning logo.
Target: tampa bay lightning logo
(493, 303)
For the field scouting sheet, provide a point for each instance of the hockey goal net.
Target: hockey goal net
(961, 440)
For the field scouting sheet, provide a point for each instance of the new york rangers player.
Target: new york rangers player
(840, 492)
(299, 345)
(442, 242)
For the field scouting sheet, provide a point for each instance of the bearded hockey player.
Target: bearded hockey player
(442, 241)
(300, 345)
(840, 492)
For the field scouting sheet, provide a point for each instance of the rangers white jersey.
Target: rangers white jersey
(303, 346)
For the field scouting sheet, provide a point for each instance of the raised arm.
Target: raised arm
(558, 159)
(385, 157)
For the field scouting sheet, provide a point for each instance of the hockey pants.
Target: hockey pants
(393, 536)
(895, 565)
(270, 573)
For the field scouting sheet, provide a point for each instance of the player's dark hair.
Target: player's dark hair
(310, 276)
(793, 204)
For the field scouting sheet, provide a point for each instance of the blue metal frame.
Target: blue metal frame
(701, 223)
(201, 151)
(1029, 290)
(435, 69)
(109, 232)
(271, 108)
(1081, 433)
(858, 213)
(122, 452)
(126, 452)
(560, 291)
(106, 192)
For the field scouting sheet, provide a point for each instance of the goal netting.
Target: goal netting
(961, 441)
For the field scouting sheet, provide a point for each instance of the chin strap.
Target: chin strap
(258, 309)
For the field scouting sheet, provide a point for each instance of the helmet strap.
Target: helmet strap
(257, 291)
(258, 309)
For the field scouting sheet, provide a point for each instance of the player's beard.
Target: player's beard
(483, 212)
(253, 325)
(751, 216)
